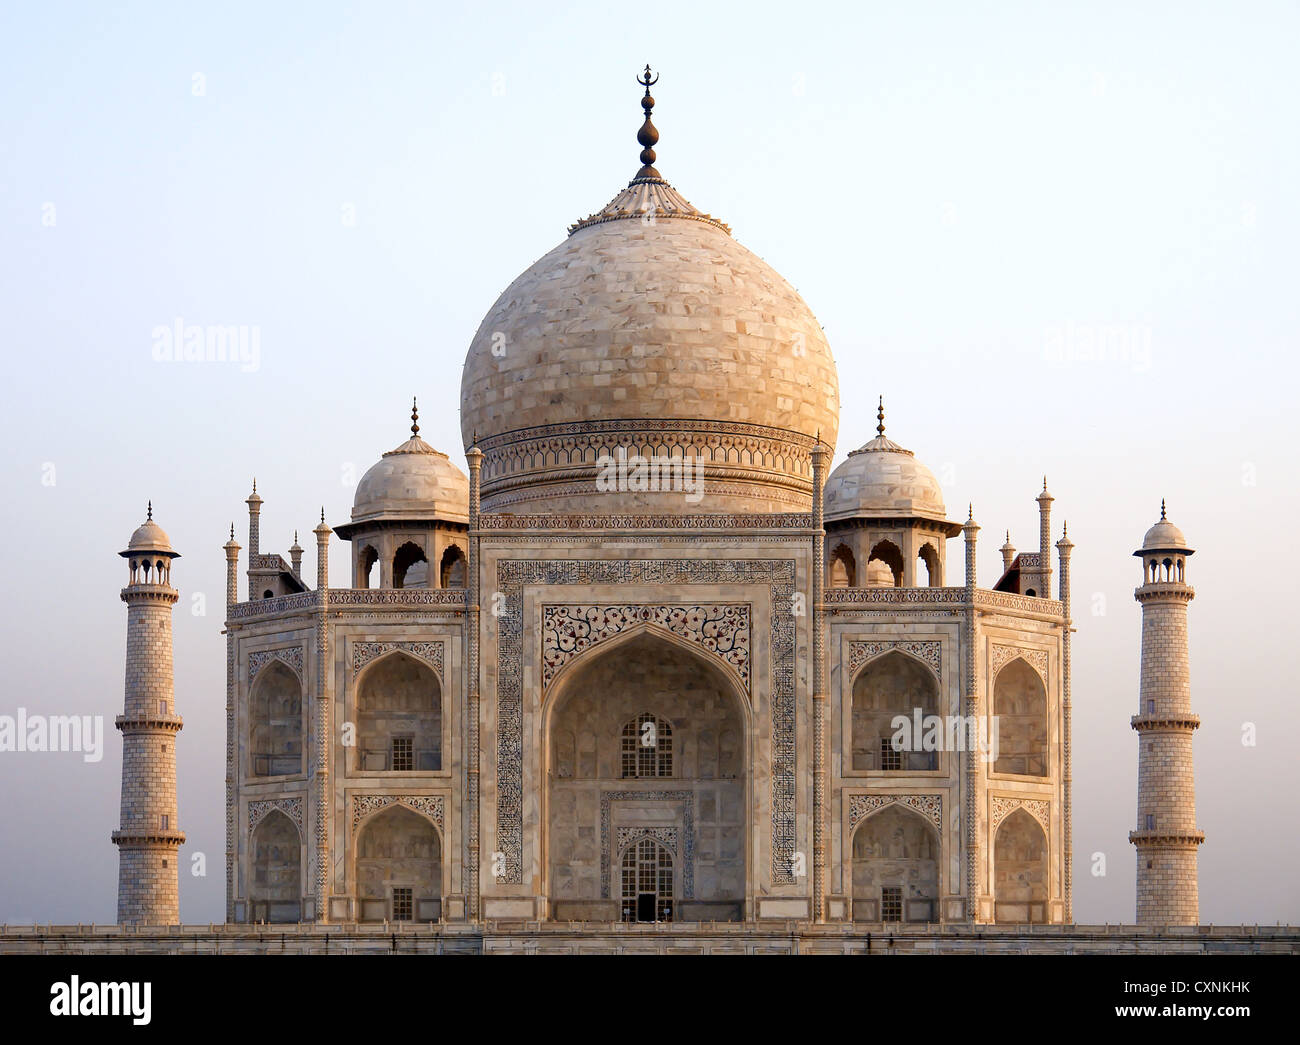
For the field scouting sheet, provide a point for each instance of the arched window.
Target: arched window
(647, 882)
(275, 892)
(1020, 704)
(275, 714)
(887, 552)
(399, 868)
(895, 868)
(452, 569)
(1020, 870)
(407, 569)
(929, 558)
(647, 746)
(366, 567)
(891, 686)
(399, 717)
(844, 573)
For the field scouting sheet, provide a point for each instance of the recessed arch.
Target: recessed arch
(887, 552)
(367, 558)
(844, 569)
(397, 866)
(275, 721)
(275, 857)
(1020, 708)
(896, 862)
(451, 568)
(398, 712)
(892, 684)
(407, 570)
(1020, 869)
(928, 556)
(583, 725)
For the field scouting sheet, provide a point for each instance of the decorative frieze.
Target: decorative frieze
(431, 806)
(1004, 806)
(929, 806)
(566, 523)
(304, 600)
(625, 836)
(1000, 656)
(927, 651)
(364, 652)
(290, 657)
(722, 630)
(291, 807)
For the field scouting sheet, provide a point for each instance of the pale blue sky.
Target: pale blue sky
(955, 192)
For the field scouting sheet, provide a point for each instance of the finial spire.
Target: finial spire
(295, 536)
(415, 418)
(880, 417)
(232, 531)
(1162, 509)
(647, 136)
(254, 484)
(1044, 484)
(1162, 514)
(970, 514)
(322, 514)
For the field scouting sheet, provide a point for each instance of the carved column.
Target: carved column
(971, 531)
(819, 459)
(232, 747)
(324, 728)
(472, 608)
(1063, 548)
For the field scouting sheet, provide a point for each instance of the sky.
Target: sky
(1058, 239)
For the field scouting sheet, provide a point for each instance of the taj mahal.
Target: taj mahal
(637, 656)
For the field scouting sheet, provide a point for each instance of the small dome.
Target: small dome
(883, 480)
(1164, 536)
(150, 537)
(413, 481)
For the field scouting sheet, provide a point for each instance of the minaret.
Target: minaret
(1008, 551)
(149, 838)
(1044, 500)
(1166, 835)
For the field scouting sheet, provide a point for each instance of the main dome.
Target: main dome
(650, 329)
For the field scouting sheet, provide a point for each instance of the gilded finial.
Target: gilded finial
(880, 417)
(1044, 484)
(322, 515)
(1162, 509)
(415, 418)
(151, 510)
(232, 531)
(647, 136)
(1065, 530)
(970, 513)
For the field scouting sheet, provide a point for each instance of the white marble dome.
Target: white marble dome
(412, 482)
(1164, 536)
(883, 480)
(648, 318)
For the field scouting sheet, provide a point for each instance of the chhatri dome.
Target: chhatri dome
(411, 482)
(649, 328)
(882, 480)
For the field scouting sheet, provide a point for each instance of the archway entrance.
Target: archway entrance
(647, 882)
(646, 802)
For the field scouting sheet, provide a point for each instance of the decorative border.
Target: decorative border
(304, 600)
(929, 652)
(364, 652)
(289, 656)
(513, 575)
(258, 810)
(1038, 808)
(625, 836)
(608, 798)
(721, 629)
(929, 806)
(362, 806)
(1001, 656)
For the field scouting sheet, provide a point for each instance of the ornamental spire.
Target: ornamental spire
(415, 419)
(150, 519)
(880, 417)
(1162, 509)
(647, 136)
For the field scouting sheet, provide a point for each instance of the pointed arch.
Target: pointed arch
(405, 559)
(895, 683)
(275, 728)
(844, 569)
(1021, 713)
(275, 881)
(398, 712)
(887, 552)
(896, 858)
(398, 866)
(1020, 869)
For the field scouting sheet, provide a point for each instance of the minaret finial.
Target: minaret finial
(151, 509)
(232, 531)
(647, 136)
(322, 515)
(415, 418)
(1162, 509)
(880, 417)
(295, 536)
(254, 484)
(970, 513)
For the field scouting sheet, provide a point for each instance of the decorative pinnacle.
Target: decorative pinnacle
(880, 417)
(415, 418)
(232, 531)
(322, 514)
(647, 136)
(1162, 509)
(151, 511)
